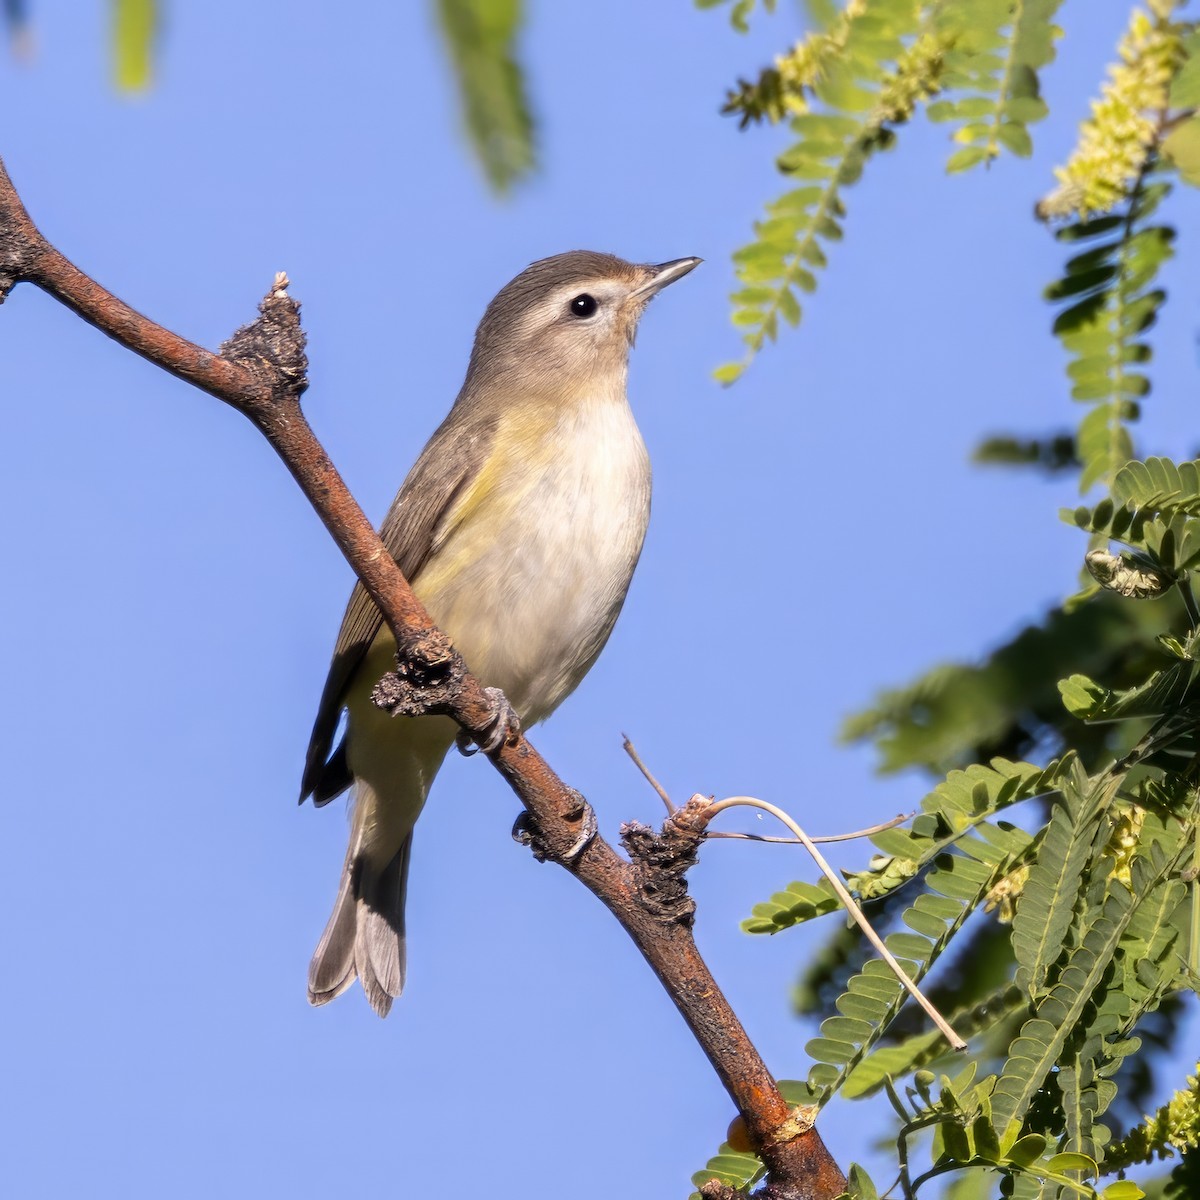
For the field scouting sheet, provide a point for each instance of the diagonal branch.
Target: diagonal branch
(260, 372)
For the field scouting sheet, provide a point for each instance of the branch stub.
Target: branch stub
(427, 679)
(271, 347)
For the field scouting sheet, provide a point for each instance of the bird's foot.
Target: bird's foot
(503, 726)
(526, 832)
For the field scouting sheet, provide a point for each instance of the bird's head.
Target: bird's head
(565, 324)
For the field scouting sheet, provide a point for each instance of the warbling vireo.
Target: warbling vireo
(519, 529)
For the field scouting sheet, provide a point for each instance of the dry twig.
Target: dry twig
(712, 808)
(645, 770)
(826, 837)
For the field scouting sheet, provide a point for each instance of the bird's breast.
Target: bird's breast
(531, 565)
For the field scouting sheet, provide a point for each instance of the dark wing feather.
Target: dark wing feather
(450, 461)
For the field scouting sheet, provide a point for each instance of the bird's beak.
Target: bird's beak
(665, 273)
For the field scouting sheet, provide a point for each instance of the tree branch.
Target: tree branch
(260, 372)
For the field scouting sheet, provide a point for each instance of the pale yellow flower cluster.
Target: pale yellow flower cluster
(917, 76)
(804, 65)
(1125, 123)
(1180, 1117)
(1175, 1126)
(1004, 896)
(1124, 843)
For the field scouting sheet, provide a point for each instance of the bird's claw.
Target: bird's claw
(503, 726)
(589, 827)
(525, 831)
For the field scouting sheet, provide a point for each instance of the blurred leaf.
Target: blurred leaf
(1185, 87)
(1111, 305)
(481, 36)
(1009, 703)
(1123, 1189)
(135, 26)
(993, 52)
(739, 13)
(1051, 454)
(1182, 146)
(861, 1186)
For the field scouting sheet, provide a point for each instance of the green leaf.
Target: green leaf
(1185, 87)
(1073, 1162)
(1110, 305)
(731, 1167)
(1122, 1189)
(894, 1061)
(872, 71)
(135, 26)
(964, 159)
(800, 902)
(1161, 692)
(481, 36)
(1182, 147)
(993, 52)
(1027, 1150)
(861, 1185)
(1047, 902)
(1110, 912)
(789, 306)
(1014, 137)
(956, 887)
(958, 713)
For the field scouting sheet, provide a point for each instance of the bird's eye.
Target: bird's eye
(583, 306)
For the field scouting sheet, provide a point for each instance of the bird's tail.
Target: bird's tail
(365, 935)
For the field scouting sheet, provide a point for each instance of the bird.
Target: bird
(519, 528)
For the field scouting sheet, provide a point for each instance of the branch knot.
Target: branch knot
(271, 347)
(427, 679)
(660, 864)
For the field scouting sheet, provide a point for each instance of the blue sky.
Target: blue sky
(171, 602)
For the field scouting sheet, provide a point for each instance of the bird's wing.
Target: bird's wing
(448, 465)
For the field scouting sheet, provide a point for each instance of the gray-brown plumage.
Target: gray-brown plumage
(451, 458)
(519, 528)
